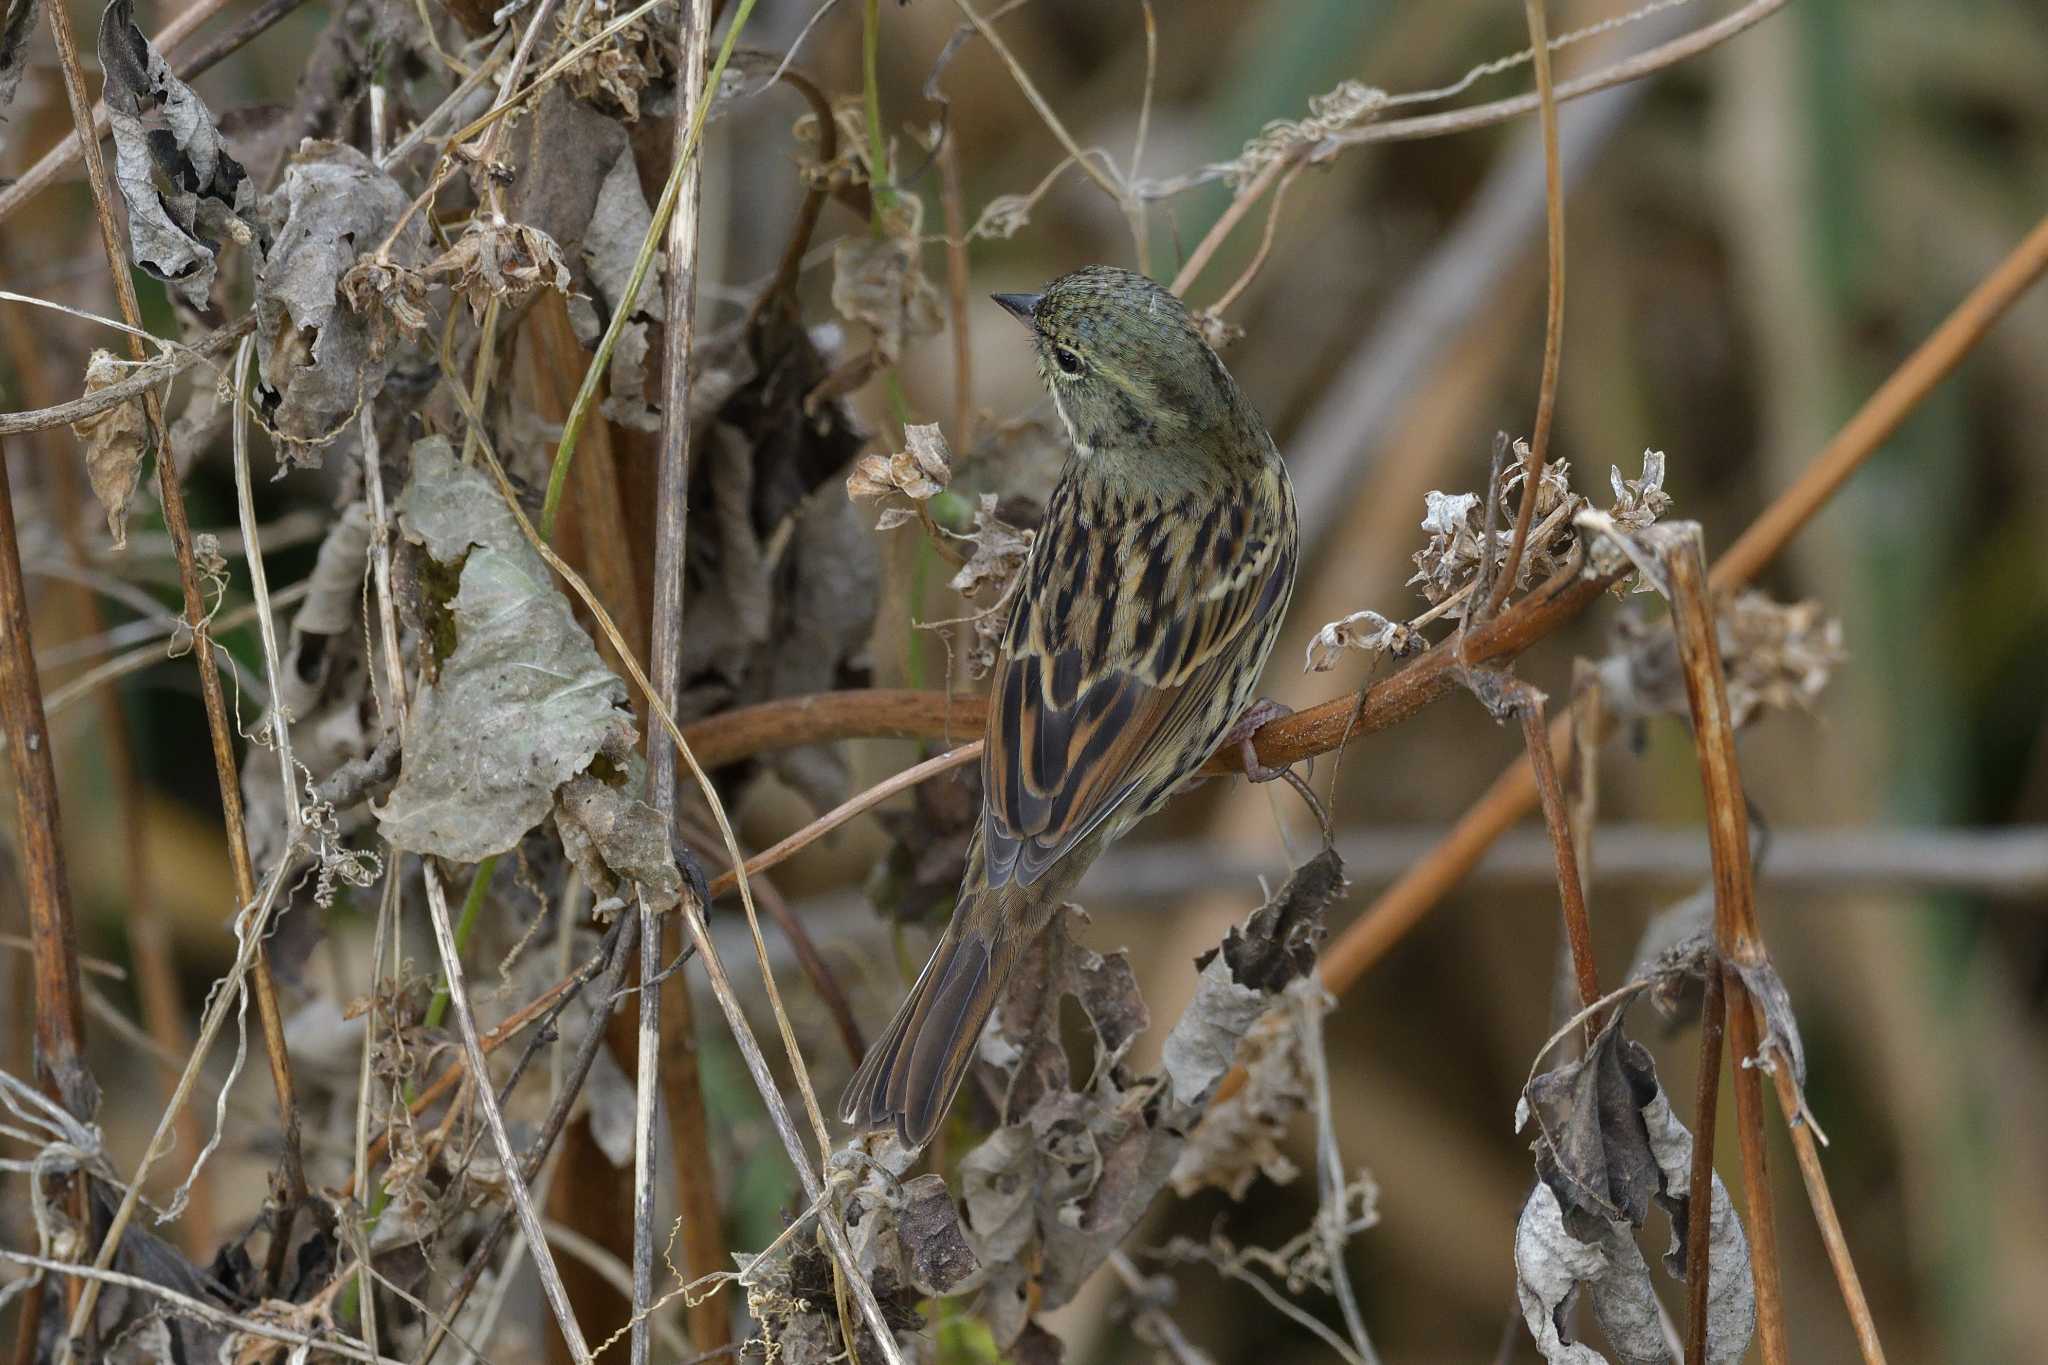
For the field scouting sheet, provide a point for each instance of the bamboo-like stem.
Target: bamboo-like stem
(1737, 939)
(1700, 1188)
(1553, 313)
(218, 724)
(696, 1178)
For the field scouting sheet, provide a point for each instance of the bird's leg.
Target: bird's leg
(1255, 716)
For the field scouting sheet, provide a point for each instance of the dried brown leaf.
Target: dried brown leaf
(115, 439)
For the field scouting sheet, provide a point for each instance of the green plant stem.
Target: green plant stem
(593, 374)
(472, 905)
(882, 195)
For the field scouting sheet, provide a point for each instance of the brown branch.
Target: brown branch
(1232, 216)
(1553, 313)
(218, 725)
(59, 1000)
(1404, 904)
(1737, 941)
(901, 713)
(1700, 1188)
(1824, 1214)
(1881, 414)
(1578, 924)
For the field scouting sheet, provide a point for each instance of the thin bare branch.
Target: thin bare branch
(1553, 313)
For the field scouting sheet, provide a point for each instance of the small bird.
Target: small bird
(1151, 598)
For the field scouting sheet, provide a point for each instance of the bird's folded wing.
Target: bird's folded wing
(1108, 697)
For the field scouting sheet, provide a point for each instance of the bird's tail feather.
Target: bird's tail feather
(912, 1072)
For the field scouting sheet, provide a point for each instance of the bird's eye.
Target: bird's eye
(1068, 362)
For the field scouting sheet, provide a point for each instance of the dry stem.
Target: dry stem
(1401, 906)
(1736, 937)
(1700, 1188)
(1553, 314)
(696, 1176)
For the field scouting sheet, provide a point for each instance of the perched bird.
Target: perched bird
(1151, 598)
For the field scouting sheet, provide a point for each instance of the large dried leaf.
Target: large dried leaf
(315, 362)
(1608, 1147)
(184, 192)
(115, 441)
(522, 702)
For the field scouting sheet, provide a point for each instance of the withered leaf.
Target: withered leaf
(183, 190)
(16, 25)
(314, 355)
(1608, 1146)
(617, 840)
(522, 703)
(115, 439)
(881, 282)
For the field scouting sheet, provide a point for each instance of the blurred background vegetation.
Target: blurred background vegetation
(1756, 238)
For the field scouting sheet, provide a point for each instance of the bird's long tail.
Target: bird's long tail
(912, 1072)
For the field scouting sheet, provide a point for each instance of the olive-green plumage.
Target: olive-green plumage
(1151, 599)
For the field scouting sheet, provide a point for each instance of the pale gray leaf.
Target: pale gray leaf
(617, 840)
(315, 362)
(1550, 1266)
(522, 703)
(1731, 1291)
(183, 190)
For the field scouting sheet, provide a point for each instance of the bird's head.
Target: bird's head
(1127, 369)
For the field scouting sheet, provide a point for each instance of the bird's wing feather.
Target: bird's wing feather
(1111, 694)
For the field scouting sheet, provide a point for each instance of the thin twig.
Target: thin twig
(1110, 186)
(1681, 49)
(950, 198)
(1553, 313)
(1736, 936)
(494, 1119)
(846, 810)
(1221, 229)
(615, 955)
(1258, 260)
(1578, 924)
(144, 377)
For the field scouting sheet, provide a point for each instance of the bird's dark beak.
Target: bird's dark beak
(1023, 307)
